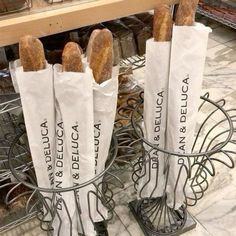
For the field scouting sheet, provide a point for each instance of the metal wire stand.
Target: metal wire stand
(137, 62)
(128, 150)
(216, 18)
(11, 119)
(47, 208)
(13, 194)
(12, 125)
(214, 145)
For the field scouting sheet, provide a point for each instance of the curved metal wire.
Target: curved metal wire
(18, 167)
(14, 196)
(48, 208)
(212, 146)
(13, 157)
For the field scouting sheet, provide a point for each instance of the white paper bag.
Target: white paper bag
(12, 67)
(62, 179)
(153, 180)
(188, 52)
(105, 102)
(74, 93)
(37, 97)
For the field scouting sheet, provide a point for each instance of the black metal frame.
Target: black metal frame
(37, 201)
(154, 215)
(216, 18)
(17, 170)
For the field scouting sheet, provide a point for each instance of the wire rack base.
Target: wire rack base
(187, 221)
(54, 208)
(214, 143)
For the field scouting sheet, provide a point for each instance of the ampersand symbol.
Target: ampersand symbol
(76, 176)
(183, 129)
(59, 174)
(49, 167)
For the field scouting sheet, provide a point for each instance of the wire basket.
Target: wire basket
(20, 202)
(6, 86)
(13, 194)
(128, 148)
(214, 145)
(48, 207)
(136, 61)
(11, 120)
(11, 6)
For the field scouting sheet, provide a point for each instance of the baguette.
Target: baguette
(72, 58)
(162, 23)
(31, 53)
(101, 56)
(185, 14)
(90, 43)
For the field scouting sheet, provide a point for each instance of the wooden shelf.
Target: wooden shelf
(70, 16)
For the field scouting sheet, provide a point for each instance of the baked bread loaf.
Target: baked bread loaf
(101, 56)
(72, 58)
(146, 18)
(141, 32)
(124, 35)
(185, 14)
(6, 86)
(90, 43)
(31, 53)
(128, 96)
(84, 33)
(12, 5)
(162, 23)
(2, 7)
(117, 54)
(116, 47)
(53, 56)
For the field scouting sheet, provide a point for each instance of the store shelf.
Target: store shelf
(216, 18)
(137, 62)
(70, 17)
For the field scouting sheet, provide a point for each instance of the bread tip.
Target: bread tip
(186, 11)
(72, 58)
(31, 53)
(101, 56)
(162, 23)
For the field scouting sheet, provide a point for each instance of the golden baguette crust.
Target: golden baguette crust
(90, 43)
(162, 23)
(185, 15)
(31, 53)
(72, 58)
(101, 57)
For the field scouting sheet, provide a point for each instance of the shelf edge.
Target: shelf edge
(71, 17)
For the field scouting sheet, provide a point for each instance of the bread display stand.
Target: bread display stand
(37, 203)
(20, 204)
(17, 175)
(210, 149)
